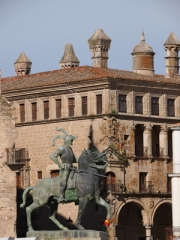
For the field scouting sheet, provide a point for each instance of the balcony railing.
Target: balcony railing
(16, 156)
(146, 187)
(141, 151)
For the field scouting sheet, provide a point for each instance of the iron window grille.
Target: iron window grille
(22, 112)
(58, 108)
(46, 109)
(138, 105)
(122, 103)
(71, 105)
(99, 103)
(34, 111)
(84, 105)
(155, 106)
(170, 108)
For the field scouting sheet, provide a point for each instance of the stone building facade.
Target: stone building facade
(125, 113)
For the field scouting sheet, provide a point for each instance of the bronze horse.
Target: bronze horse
(86, 188)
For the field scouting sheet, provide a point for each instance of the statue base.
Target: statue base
(70, 235)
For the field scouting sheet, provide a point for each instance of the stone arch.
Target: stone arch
(140, 205)
(169, 201)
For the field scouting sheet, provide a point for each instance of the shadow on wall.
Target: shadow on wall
(91, 144)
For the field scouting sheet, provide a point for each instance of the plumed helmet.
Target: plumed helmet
(66, 137)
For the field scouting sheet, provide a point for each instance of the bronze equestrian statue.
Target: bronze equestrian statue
(67, 157)
(82, 186)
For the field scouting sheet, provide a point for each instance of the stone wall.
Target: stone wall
(7, 176)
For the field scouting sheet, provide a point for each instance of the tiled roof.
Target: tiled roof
(78, 74)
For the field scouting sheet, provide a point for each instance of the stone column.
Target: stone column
(147, 140)
(148, 232)
(163, 140)
(176, 182)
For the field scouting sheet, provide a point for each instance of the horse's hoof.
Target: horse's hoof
(30, 229)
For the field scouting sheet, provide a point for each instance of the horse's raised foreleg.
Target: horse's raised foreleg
(29, 210)
(54, 206)
(82, 205)
(102, 202)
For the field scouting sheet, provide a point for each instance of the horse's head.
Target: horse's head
(92, 158)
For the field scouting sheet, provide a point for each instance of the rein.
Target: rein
(80, 170)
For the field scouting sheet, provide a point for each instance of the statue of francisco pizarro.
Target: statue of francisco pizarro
(67, 157)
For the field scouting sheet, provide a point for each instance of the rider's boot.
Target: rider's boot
(61, 197)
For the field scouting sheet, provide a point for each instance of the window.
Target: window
(46, 109)
(34, 111)
(54, 173)
(138, 105)
(58, 108)
(99, 104)
(110, 181)
(122, 103)
(71, 105)
(170, 107)
(142, 182)
(22, 113)
(39, 174)
(84, 105)
(155, 106)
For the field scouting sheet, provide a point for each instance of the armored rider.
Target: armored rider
(67, 157)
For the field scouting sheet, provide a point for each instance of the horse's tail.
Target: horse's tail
(24, 196)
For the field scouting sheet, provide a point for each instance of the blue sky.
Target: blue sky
(41, 28)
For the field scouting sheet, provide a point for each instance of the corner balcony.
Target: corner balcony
(16, 156)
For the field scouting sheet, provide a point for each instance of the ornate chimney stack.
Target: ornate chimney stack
(172, 46)
(69, 59)
(99, 45)
(23, 65)
(143, 58)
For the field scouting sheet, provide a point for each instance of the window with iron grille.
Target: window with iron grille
(154, 106)
(34, 111)
(46, 109)
(99, 103)
(71, 105)
(170, 107)
(39, 174)
(84, 105)
(22, 113)
(58, 108)
(138, 105)
(122, 103)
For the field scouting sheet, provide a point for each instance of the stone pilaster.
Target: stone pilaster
(147, 140)
(176, 182)
(7, 176)
(132, 137)
(163, 140)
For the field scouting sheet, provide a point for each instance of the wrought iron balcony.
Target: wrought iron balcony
(16, 156)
